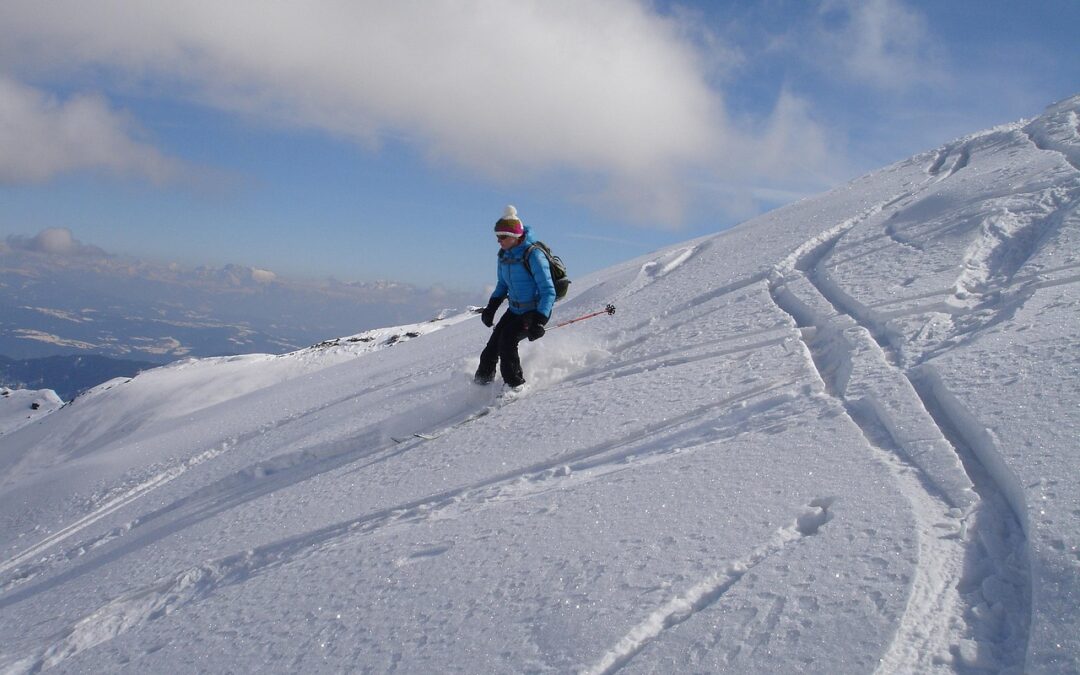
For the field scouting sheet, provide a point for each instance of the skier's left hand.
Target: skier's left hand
(535, 325)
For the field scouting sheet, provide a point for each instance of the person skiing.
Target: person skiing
(531, 294)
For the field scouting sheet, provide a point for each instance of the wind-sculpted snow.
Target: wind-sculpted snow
(838, 438)
(1059, 130)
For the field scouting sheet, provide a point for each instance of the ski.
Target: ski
(505, 397)
(422, 436)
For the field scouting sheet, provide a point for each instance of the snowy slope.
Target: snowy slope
(840, 438)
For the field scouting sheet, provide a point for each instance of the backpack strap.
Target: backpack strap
(525, 258)
(528, 252)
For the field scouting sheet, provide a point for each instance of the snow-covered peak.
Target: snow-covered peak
(19, 407)
(380, 338)
(838, 438)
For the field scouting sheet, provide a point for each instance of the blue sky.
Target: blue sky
(374, 140)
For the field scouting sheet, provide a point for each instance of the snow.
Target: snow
(839, 438)
(19, 407)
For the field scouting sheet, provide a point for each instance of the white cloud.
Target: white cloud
(41, 136)
(607, 89)
(262, 276)
(55, 241)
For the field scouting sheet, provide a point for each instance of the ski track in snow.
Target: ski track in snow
(693, 431)
(667, 263)
(707, 591)
(243, 485)
(106, 509)
(958, 490)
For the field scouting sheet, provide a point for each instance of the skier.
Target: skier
(531, 295)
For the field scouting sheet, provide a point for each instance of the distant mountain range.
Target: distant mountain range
(61, 297)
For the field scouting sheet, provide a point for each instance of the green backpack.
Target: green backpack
(555, 264)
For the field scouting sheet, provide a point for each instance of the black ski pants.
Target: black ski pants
(502, 349)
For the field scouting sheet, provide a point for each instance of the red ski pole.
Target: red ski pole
(610, 309)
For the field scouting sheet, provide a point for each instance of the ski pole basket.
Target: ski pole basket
(609, 310)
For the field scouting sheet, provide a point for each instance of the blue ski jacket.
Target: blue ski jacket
(526, 292)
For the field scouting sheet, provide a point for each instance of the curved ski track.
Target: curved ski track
(964, 517)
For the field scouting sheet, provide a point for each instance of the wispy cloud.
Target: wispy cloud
(882, 43)
(42, 136)
(608, 90)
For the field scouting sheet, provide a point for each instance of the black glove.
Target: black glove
(488, 315)
(535, 325)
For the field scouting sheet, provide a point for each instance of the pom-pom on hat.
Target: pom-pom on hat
(510, 223)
